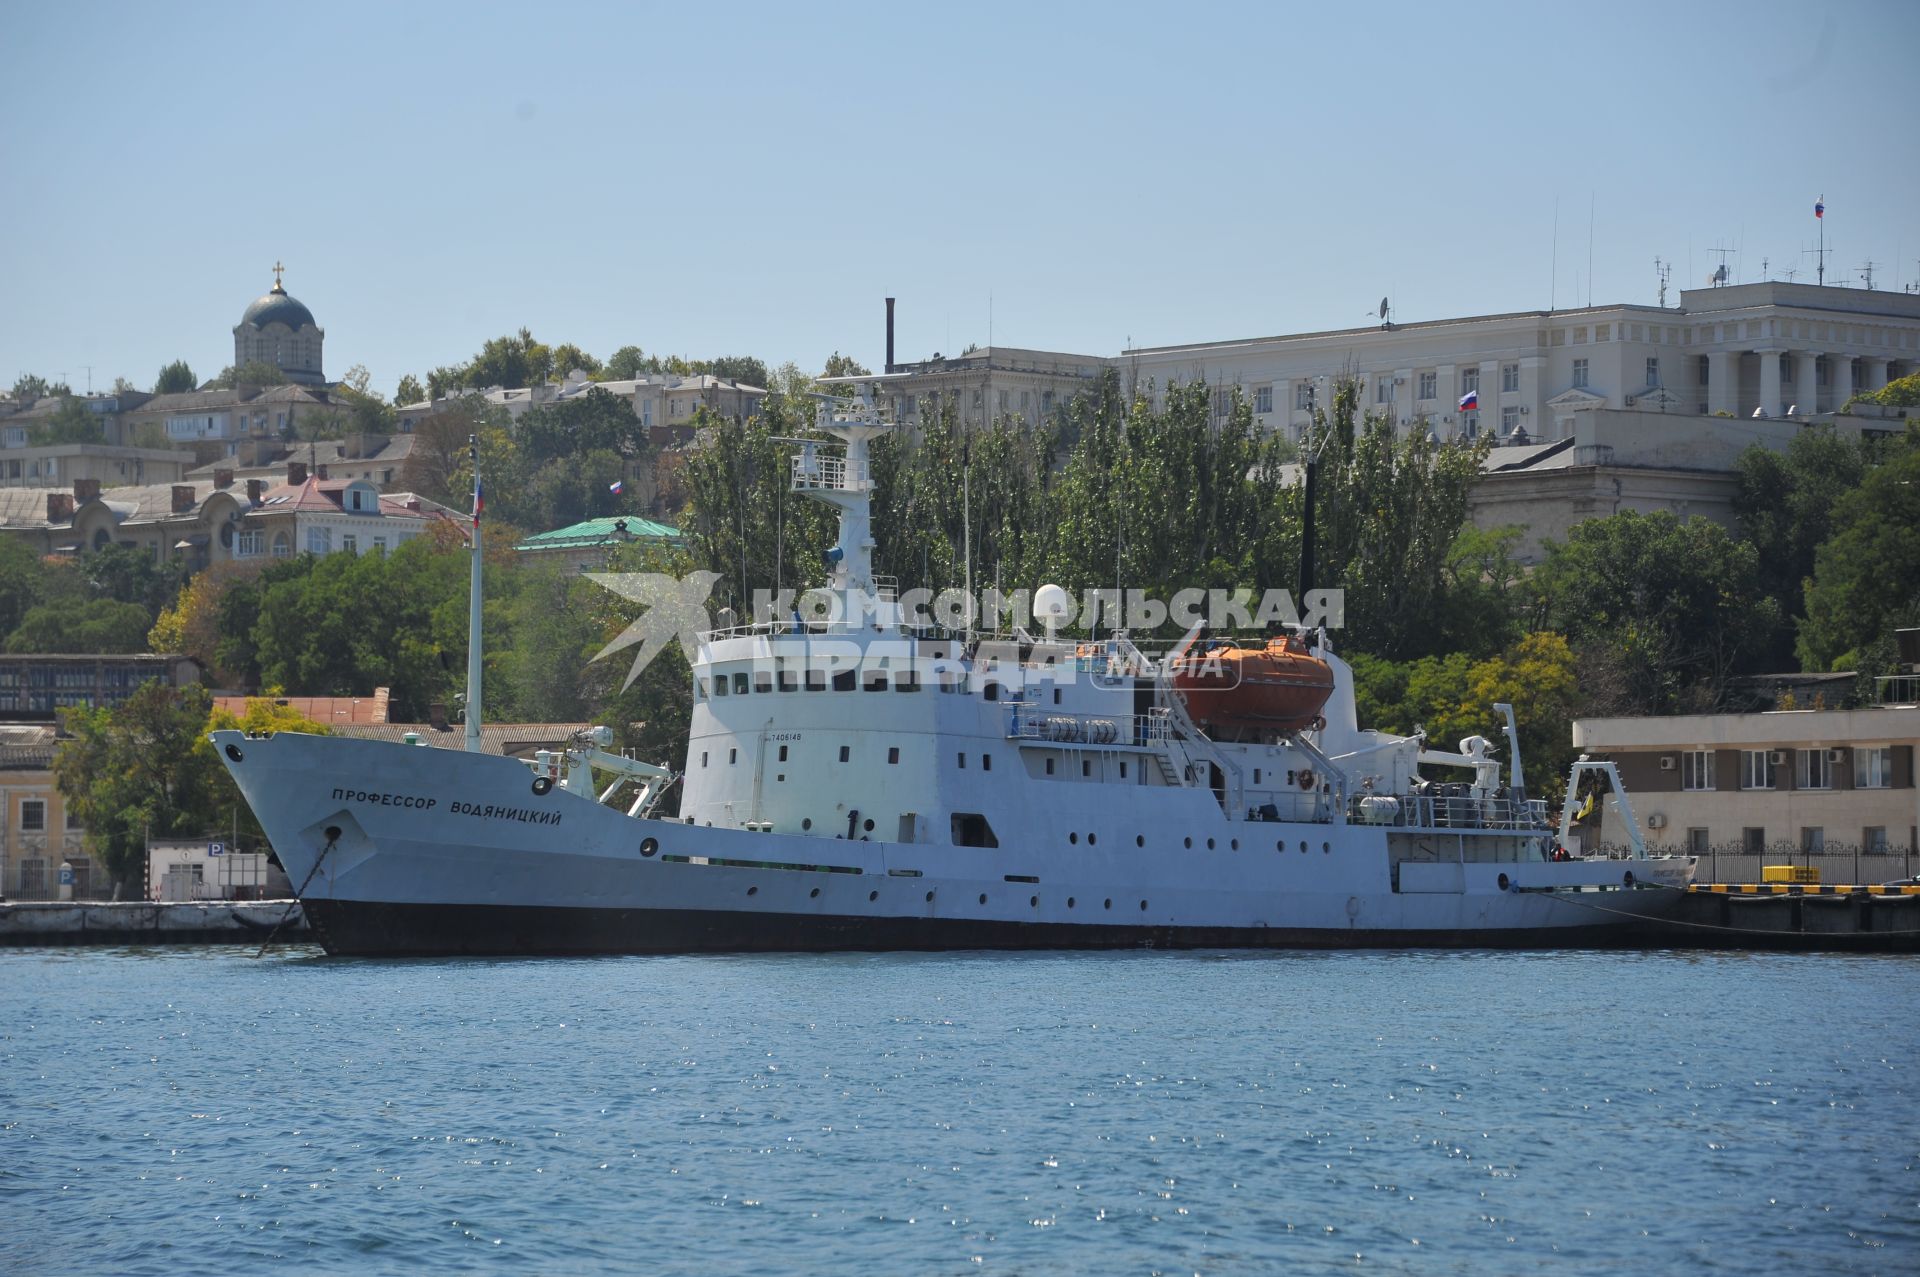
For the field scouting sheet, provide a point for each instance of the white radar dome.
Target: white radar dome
(1052, 606)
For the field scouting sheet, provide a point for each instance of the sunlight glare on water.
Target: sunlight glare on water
(198, 1111)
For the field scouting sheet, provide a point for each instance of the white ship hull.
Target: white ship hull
(409, 850)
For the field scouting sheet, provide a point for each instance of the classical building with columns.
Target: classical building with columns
(1771, 349)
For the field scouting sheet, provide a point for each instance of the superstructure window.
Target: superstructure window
(970, 829)
(740, 683)
(720, 685)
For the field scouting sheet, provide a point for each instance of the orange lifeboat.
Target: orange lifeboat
(1234, 690)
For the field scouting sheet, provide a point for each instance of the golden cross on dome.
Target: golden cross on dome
(277, 268)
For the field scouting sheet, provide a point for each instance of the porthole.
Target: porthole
(1234, 845)
(806, 823)
(873, 895)
(1143, 906)
(1187, 843)
(814, 894)
(868, 826)
(1092, 839)
(929, 897)
(1070, 902)
(753, 891)
(983, 897)
(1139, 840)
(1034, 901)
(1209, 844)
(1073, 839)
(1326, 849)
(1303, 846)
(649, 845)
(1281, 845)
(1109, 904)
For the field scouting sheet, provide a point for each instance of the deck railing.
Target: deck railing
(1030, 722)
(1453, 813)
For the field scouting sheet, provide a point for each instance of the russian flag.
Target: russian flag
(615, 486)
(1470, 402)
(479, 502)
(1820, 207)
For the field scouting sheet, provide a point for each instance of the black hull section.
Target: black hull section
(357, 928)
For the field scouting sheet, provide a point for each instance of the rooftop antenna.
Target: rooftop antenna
(1592, 198)
(1820, 216)
(1765, 264)
(1820, 256)
(1791, 273)
(1553, 290)
(1721, 276)
(1663, 270)
(1866, 277)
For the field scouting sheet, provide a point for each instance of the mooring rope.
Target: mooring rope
(1714, 926)
(297, 896)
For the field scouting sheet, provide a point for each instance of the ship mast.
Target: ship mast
(846, 483)
(473, 610)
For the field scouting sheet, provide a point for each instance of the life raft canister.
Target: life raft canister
(1306, 781)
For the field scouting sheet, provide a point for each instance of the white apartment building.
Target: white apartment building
(1775, 349)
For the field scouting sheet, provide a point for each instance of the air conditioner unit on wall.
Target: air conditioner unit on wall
(1668, 762)
(1656, 820)
(1836, 755)
(1778, 757)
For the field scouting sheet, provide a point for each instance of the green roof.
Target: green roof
(597, 532)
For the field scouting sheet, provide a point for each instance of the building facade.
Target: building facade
(1769, 349)
(43, 853)
(1773, 785)
(278, 329)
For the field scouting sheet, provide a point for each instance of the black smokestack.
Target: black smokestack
(889, 334)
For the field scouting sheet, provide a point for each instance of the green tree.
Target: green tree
(839, 365)
(741, 368)
(1666, 613)
(630, 362)
(409, 391)
(73, 423)
(129, 575)
(1784, 503)
(1391, 510)
(136, 771)
(97, 626)
(175, 378)
(1902, 392)
(1866, 575)
(22, 577)
(28, 387)
(568, 357)
(513, 361)
(594, 421)
(255, 372)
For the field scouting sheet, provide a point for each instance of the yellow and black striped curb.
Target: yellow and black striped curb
(1797, 889)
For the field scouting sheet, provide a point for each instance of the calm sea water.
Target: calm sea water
(201, 1112)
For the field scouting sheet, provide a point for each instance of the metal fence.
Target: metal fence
(1845, 866)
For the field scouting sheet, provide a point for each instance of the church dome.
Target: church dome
(278, 307)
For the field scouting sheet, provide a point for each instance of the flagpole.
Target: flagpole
(473, 610)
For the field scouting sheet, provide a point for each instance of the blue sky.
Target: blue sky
(754, 179)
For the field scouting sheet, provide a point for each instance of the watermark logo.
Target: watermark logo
(676, 608)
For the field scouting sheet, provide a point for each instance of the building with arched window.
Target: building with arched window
(278, 329)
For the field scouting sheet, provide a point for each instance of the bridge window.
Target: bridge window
(876, 681)
(740, 683)
(845, 753)
(893, 753)
(763, 680)
(720, 685)
(991, 691)
(843, 680)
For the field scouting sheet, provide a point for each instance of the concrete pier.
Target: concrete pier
(146, 922)
(1857, 919)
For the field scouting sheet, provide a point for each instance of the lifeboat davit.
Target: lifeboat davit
(1233, 690)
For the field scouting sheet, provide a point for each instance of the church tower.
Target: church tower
(277, 329)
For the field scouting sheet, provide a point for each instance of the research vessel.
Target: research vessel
(857, 779)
